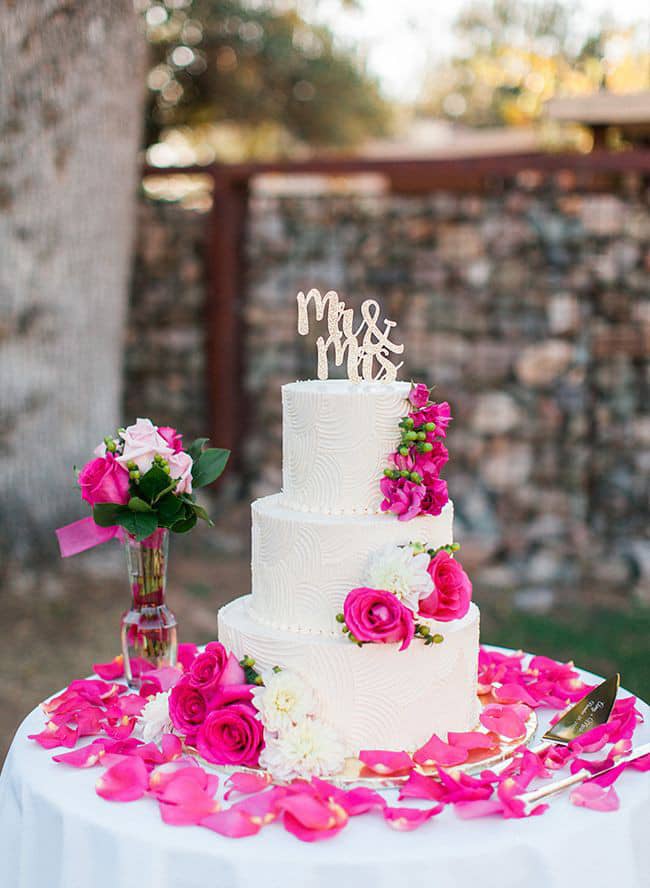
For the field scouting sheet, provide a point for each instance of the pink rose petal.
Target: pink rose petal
(112, 670)
(246, 783)
(473, 740)
(407, 819)
(436, 752)
(384, 762)
(84, 757)
(183, 802)
(231, 823)
(478, 808)
(590, 795)
(514, 693)
(503, 720)
(124, 781)
(311, 820)
(53, 736)
(419, 786)
(362, 800)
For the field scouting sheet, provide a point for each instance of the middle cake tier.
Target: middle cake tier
(304, 564)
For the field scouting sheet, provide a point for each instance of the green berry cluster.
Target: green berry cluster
(251, 675)
(340, 618)
(424, 633)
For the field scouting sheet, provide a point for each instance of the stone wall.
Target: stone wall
(524, 307)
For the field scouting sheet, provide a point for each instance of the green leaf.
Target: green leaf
(139, 505)
(196, 447)
(168, 508)
(184, 524)
(154, 483)
(209, 466)
(139, 524)
(107, 514)
(200, 512)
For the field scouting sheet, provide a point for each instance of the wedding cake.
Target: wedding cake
(333, 529)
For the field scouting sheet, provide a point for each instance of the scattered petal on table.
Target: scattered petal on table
(361, 800)
(385, 762)
(85, 757)
(124, 781)
(419, 786)
(231, 823)
(183, 802)
(110, 671)
(311, 820)
(590, 795)
(514, 693)
(478, 808)
(473, 739)
(53, 736)
(503, 720)
(436, 752)
(407, 819)
(246, 782)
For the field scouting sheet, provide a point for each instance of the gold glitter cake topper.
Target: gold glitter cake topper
(367, 348)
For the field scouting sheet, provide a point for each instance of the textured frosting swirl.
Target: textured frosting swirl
(337, 436)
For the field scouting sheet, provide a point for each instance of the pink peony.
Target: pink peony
(401, 497)
(103, 480)
(429, 465)
(373, 615)
(187, 708)
(435, 498)
(232, 735)
(180, 466)
(419, 395)
(439, 414)
(172, 437)
(452, 590)
(142, 442)
(207, 668)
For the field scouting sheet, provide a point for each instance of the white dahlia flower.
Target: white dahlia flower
(309, 749)
(284, 700)
(154, 720)
(398, 570)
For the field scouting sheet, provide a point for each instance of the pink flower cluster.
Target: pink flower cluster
(316, 810)
(211, 707)
(411, 485)
(376, 616)
(106, 478)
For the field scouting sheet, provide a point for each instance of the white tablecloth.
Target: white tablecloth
(55, 832)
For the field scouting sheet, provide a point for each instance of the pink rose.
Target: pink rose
(142, 442)
(401, 497)
(435, 498)
(187, 708)
(103, 480)
(180, 466)
(452, 590)
(439, 414)
(232, 735)
(172, 437)
(373, 615)
(207, 668)
(429, 465)
(419, 395)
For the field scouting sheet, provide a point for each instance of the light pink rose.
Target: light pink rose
(232, 735)
(402, 497)
(142, 442)
(103, 480)
(172, 437)
(419, 395)
(452, 590)
(373, 615)
(180, 466)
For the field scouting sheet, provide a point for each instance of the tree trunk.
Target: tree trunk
(71, 87)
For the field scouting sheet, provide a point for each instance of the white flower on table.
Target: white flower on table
(284, 700)
(154, 720)
(310, 748)
(398, 570)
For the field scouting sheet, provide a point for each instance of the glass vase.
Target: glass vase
(149, 637)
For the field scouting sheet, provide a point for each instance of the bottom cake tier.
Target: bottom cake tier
(375, 696)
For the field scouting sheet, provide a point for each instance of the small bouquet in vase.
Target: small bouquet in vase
(141, 486)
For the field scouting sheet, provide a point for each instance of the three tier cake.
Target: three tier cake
(313, 543)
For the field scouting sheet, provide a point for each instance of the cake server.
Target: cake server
(594, 709)
(580, 776)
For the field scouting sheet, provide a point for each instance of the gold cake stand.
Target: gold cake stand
(355, 773)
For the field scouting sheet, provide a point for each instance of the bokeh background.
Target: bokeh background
(172, 173)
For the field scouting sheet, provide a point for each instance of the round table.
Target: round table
(56, 832)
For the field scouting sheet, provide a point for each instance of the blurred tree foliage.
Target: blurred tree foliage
(516, 54)
(260, 72)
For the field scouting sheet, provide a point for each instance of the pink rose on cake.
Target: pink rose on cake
(103, 480)
(187, 708)
(435, 498)
(377, 616)
(419, 395)
(232, 735)
(452, 590)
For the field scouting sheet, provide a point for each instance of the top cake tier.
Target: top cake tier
(337, 437)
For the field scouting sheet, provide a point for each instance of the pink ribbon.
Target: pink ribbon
(84, 534)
